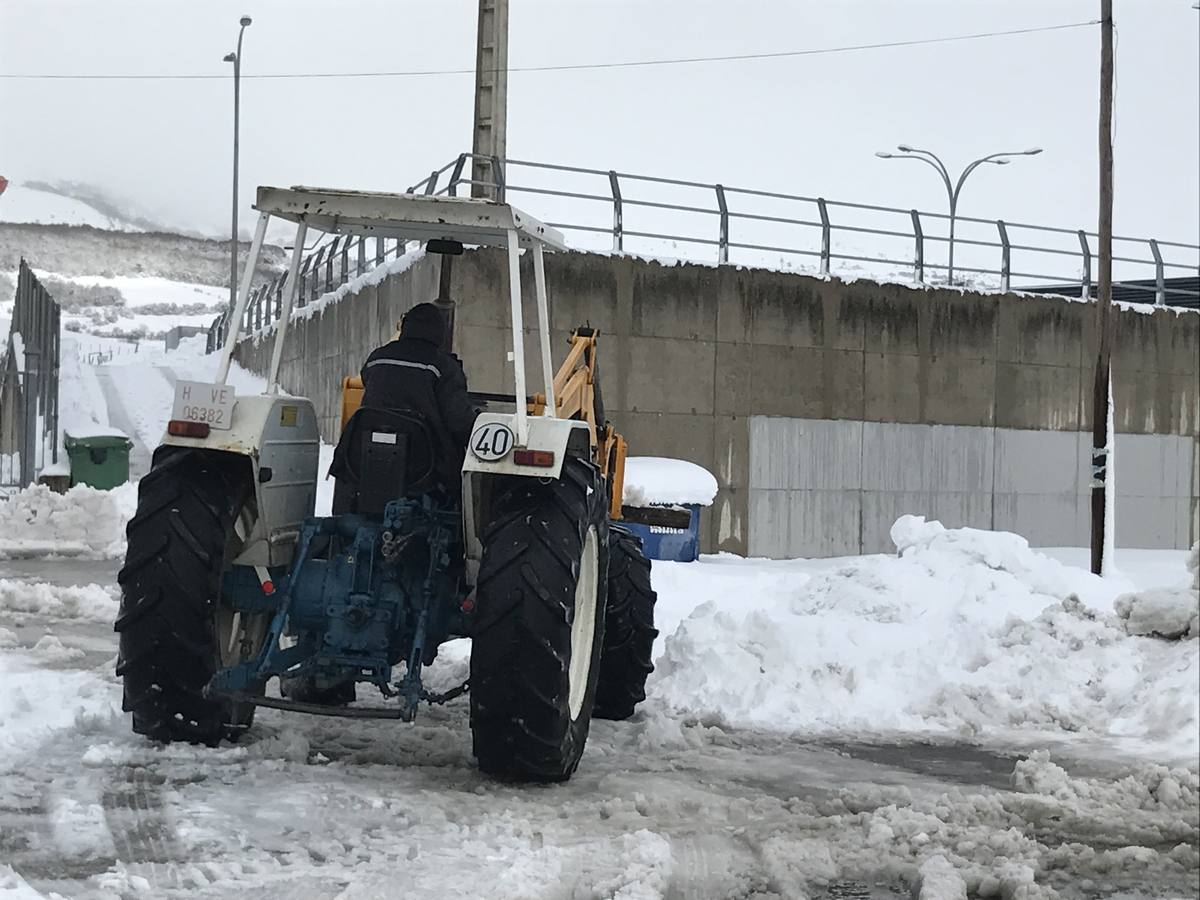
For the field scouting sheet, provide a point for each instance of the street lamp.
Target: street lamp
(236, 59)
(953, 190)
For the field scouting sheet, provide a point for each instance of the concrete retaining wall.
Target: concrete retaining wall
(821, 487)
(693, 356)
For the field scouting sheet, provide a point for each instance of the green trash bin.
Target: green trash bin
(100, 461)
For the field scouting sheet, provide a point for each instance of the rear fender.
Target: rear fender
(278, 437)
(562, 437)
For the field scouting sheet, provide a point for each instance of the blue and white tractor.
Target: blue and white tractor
(234, 592)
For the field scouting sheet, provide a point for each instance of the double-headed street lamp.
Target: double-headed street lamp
(953, 189)
(236, 59)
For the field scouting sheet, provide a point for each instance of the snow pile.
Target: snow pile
(90, 602)
(658, 480)
(1165, 612)
(83, 522)
(965, 632)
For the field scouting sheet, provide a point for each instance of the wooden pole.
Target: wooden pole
(1104, 318)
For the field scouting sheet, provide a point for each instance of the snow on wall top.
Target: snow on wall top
(656, 479)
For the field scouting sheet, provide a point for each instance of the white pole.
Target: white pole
(539, 276)
(239, 308)
(285, 314)
(518, 335)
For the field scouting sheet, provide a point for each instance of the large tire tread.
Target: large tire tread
(629, 632)
(177, 546)
(521, 647)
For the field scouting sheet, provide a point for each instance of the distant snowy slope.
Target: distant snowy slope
(20, 203)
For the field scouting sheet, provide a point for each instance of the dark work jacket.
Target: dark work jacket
(414, 374)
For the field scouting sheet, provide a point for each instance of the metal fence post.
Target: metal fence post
(826, 235)
(29, 405)
(618, 213)
(379, 251)
(456, 174)
(723, 236)
(431, 185)
(362, 255)
(1005, 256)
(331, 252)
(919, 248)
(1160, 288)
(1086, 288)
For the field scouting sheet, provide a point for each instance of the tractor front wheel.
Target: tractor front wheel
(629, 630)
(540, 628)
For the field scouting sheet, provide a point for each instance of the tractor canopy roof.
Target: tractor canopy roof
(415, 217)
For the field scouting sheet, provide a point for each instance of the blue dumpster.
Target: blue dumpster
(652, 481)
(677, 544)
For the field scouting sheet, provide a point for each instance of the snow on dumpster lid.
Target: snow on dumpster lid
(656, 479)
(84, 431)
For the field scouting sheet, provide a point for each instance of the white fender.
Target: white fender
(279, 437)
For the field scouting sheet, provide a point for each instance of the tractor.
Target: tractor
(234, 592)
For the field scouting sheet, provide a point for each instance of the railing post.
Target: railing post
(362, 255)
(826, 243)
(331, 252)
(456, 174)
(723, 236)
(1086, 287)
(379, 251)
(1160, 287)
(302, 291)
(344, 275)
(498, 177)
(919, 248)
(618, 214)
(431, 185)
(1005, 256)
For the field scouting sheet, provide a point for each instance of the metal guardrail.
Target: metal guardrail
(29, 384)
(330, 265)
(820, 227)
(626, 213)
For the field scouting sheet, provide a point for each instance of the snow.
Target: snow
(142, 290)
(24, 204)
(352, 287)
(83, 522)
(1165, 611)
(1023, 647)
(657, 480)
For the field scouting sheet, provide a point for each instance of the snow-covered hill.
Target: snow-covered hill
(24, 204)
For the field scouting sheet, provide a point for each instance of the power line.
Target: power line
(421, 73)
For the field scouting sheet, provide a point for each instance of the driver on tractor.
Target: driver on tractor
(412, 374)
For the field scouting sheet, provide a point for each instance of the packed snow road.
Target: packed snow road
(671, 804)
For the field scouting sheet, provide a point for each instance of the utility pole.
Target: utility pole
(491, 98)
(1104, 324)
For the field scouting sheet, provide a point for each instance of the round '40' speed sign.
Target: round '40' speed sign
(492, 441)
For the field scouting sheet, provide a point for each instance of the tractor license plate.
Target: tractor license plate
(211, 404)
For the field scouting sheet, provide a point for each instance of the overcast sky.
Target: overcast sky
(807, 125)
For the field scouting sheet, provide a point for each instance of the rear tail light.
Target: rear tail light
(541, 458)
(181, 428)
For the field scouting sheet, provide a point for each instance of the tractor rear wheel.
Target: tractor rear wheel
(629, 630)
(536, 643)
(174, 631)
